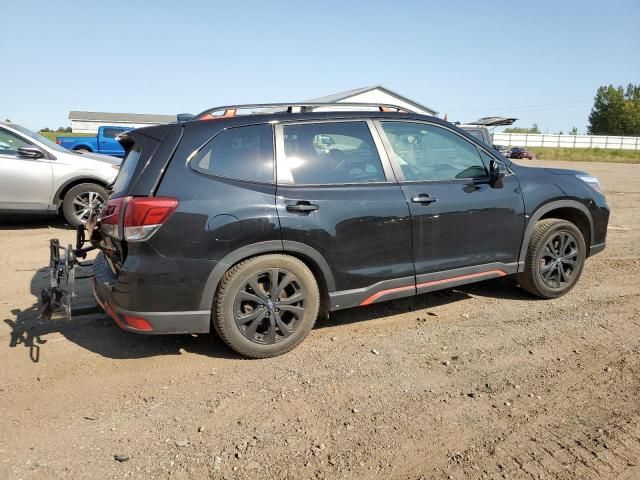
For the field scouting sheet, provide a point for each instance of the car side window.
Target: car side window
(10, 143)
(330, 153)
(428, 152)
(112, 132)
(245, 153)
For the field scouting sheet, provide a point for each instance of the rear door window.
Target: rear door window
(245, 153)
(329, 153)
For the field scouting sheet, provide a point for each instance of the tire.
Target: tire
(90, 194)
(251, 321)
(551, 269)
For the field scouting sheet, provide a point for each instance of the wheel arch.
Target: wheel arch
(69, 184)
(83, 146)
(570, 210)
(309, 256)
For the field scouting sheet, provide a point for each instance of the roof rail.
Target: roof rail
(232, 110)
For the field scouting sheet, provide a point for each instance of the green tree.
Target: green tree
(533, 129)
(45, 129)
(616, 111)
(573, 131)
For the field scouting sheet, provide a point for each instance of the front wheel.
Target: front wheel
(81, 200)
(555, 258)
(266, 305)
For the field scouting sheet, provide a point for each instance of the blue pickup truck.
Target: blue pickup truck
(105, 142)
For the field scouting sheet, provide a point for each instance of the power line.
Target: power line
(520, 107)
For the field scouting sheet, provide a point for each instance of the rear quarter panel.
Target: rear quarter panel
(215, 217)
(73, 143)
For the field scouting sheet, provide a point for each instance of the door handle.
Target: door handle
(302, 207)
(423, 198)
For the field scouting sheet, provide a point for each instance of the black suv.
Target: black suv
(252, 224)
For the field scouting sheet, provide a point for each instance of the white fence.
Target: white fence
(565, 141)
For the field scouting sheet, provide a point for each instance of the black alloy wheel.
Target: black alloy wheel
(269, 306)
(555, 258)
(266, 305)
(559, 259)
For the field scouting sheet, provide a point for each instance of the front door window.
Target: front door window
(427, 152)
(10, 143)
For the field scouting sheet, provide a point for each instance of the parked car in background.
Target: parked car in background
(517, 152)
(481, 133)
(504, 150)
(250, 225)
(480, 130)
(38, 176)
(105, 142)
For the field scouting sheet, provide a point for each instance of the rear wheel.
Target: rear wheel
(555, 258)
(266, 306)
(80, 200)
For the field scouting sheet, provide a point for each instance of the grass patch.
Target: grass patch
(52, 135)
(587, 155)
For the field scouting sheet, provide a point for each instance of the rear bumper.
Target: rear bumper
(149, 322)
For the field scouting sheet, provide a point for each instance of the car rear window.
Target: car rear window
(245, 153)
(111, 132)
(127, 168)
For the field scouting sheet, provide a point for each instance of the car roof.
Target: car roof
(222, 122)
(278, 117)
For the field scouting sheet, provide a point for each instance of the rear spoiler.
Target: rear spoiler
(126, 141)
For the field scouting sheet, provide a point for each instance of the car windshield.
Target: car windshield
(39, 138)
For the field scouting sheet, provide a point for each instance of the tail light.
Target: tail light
(144, 215)
(141, 217)
(109, 216)
(58, 141)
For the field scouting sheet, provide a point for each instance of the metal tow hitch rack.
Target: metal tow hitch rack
(62, 276)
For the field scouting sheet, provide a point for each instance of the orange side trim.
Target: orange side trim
(382, 293)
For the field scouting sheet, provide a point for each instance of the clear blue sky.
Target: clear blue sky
(540, 61)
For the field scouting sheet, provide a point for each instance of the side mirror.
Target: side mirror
(30, 152)
(497, 170)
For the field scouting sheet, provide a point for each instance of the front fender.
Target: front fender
(540, 212)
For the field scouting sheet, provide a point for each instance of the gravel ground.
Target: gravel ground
(481, 381)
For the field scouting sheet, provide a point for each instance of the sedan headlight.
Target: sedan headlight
(591, 181)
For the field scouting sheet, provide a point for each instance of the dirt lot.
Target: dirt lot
(475, 382)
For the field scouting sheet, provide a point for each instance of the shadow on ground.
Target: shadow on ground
(31, 222)
(99, 334)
